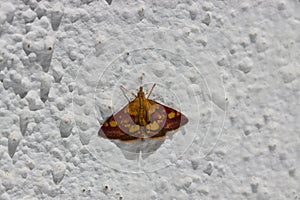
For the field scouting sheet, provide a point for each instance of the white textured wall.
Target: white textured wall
(232, 67)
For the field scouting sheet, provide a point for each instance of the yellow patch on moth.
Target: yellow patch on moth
(159, 121)
(153, 108)
(113, 123)
(134, 128)
(126, 110)
(163, 116)
(105, 124)
(171, 115)
(125, 123)
(153, 126)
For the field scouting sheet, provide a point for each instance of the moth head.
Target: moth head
(141, 93)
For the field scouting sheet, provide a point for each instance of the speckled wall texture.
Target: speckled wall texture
(232, 67)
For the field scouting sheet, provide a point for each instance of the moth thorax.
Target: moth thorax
(143, 117)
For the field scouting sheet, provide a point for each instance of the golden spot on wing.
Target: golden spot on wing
(153, 108)
(113, 123)
(159, 121)
(163, 116)
(105, 124)
(126, 110)
(171, 115)
(153, 126)
(134, 128)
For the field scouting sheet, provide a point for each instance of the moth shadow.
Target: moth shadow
(139, 149)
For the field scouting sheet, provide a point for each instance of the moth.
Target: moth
(142, 118)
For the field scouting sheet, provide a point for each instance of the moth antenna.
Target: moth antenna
(123, 88)
(150, 91)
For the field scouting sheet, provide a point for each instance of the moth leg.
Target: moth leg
(123, 88)
(150, 91)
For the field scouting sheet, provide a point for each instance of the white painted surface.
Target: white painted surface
(232, 67)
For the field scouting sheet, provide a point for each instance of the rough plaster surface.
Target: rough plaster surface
(231, 66)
